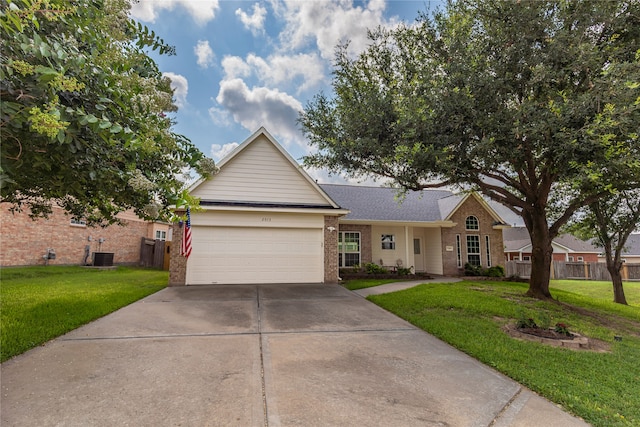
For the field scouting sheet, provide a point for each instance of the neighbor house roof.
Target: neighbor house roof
(517, 239)
(633, 245)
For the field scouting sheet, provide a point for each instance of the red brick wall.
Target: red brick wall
(365, 240)
(449, 259)
(178, 263)
(24, 241)
(331, 249)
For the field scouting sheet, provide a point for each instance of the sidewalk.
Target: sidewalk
(398, 286)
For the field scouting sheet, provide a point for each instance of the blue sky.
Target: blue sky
(245, 64)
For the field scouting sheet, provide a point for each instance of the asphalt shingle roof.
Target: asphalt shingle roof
(384, 204)
(516, 238)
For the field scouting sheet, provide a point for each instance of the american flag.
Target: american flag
(185, 248)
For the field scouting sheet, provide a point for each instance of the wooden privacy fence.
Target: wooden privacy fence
(574, 270)
(154, 253)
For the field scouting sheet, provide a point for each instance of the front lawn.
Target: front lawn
(601, 387)
(41, 303)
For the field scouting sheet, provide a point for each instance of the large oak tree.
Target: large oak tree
(84, 119)
(533, 103)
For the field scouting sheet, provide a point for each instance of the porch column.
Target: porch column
(406, 247)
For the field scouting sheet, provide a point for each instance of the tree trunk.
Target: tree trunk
(541, 256)
(615, 266)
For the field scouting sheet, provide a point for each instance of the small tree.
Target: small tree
(533, 103)
(610, 221)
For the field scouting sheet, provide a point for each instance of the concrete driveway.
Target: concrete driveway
(268, 355)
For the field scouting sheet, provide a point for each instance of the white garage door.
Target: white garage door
(229, 255)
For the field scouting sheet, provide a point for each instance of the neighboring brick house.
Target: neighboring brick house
(568, 248)
(24, 241)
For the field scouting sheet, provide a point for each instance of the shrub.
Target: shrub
(495, 271)
(372, 268)
(472, 270)
(404, 271)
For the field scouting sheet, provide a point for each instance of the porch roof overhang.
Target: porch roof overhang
(423, 224)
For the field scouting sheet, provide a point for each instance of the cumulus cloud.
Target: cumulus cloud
(219, 116)
(235, 67)
(255, 22)
(261, 106)
(303, 70)
(326, 24)
(202, 11)
(204, 53)
(180, 87)
(221, 151)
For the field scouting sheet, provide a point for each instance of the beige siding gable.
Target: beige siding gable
(260, 171)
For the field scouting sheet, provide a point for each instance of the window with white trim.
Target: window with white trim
(459, 251)
(78, 222)
(161, 235)
(580, 259)
(487, 243)
(471, 223)
(348, 248)
(388, 241)
(473, 249)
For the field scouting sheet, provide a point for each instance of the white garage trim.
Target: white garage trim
(246, 255)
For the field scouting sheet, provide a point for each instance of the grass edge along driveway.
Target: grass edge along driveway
(602, 388)
(42, 303)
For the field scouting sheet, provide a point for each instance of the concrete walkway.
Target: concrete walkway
(271, 355)
(398, 286)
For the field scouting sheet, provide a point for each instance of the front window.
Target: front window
(488, 248)
(388, 241)
(161, 235)
(472, 223)
(473, 250)
(348, 248)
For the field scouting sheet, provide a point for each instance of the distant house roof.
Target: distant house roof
(633, 245)
(385, 204)
(517, 239)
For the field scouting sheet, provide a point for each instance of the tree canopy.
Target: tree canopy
(536, 104)
(84, 119)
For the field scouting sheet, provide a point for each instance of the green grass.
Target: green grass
(599, 290)
(601, 387)
(41, 303)
(354, 284)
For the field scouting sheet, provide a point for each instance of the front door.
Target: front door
(418, 254)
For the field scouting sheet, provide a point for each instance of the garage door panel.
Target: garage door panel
(255, 255)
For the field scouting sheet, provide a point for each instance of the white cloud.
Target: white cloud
(204, 54)
(180, 87)
(327, 24)
(303, 70)
(219, 116)
(221, 151)
(255, 22)
(261, 106)
(202, 11)
(234, 67)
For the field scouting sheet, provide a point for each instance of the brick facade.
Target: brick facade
(178, 263)
(471, 206)
(365, 240)
(24, 241)
(331, 249)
